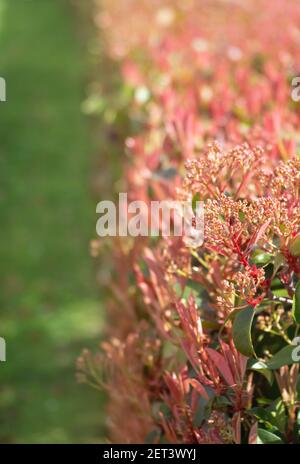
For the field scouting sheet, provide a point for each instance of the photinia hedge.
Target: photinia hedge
(202, 344)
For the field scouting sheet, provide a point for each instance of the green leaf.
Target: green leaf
(241, 215)
(265, 437)
(199, 415)
(210, 325)
(262, 368)
(281, 292)
(278, 413)
(260, 257)
(296, 304)
(230, 316)
(192, 288)
(242, 331)
(273, 417)
(204, 407)
(281, 358)
(278, 261)
(169, 349)
(222, 402)
(195, 199)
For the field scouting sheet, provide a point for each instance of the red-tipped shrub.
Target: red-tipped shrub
(201, 338)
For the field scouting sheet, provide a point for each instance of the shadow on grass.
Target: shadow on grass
(49, 305)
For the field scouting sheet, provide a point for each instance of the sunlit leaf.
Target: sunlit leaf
(242, 331)
(266, 437)
(260, 257)
(262, 368)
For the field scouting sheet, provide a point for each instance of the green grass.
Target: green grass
(49, 306)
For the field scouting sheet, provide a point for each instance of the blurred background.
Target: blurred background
(50, 304)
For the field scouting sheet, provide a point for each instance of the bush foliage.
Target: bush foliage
(201, 339)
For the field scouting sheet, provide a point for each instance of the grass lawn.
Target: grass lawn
(49, 305)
